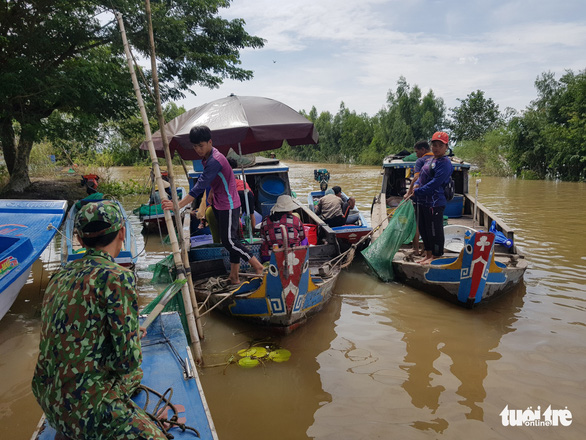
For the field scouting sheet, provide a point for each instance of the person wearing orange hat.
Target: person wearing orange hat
(429, 195)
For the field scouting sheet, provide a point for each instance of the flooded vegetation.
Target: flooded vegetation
(381, 360)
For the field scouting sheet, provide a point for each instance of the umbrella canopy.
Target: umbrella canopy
(256, 123)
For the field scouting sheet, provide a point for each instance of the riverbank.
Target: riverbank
(54, 187)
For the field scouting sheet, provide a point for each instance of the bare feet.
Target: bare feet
(426, 260)
(256, 266)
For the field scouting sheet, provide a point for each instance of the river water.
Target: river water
(381, 360)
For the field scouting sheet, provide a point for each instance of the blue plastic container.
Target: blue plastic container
(271, 187)
(455, 207)
(266, 208)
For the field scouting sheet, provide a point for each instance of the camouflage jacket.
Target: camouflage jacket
(90, 350)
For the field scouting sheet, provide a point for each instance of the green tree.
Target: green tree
(66, 55)
(474, 117)
(549, 138)
(408, 118)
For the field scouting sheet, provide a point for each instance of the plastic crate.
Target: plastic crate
(218, 252)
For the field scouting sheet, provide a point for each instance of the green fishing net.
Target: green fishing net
(163, 271)
(401, 230)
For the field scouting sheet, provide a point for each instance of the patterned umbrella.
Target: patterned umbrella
(248, 124)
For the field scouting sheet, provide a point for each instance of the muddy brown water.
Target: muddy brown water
(381, 360)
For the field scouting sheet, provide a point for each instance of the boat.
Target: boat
(26, 229)
(356, 226)
(283, 298)
(268, 179)
(73, 250)
(167, 364)
(151, 214)
(481, 261)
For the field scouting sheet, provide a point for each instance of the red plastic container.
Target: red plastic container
(310, 232)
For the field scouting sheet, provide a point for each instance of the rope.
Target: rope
(346, 258)
(156, 415)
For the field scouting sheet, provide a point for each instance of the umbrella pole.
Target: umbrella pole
(169, 222)
(161, 118)
(245, 195)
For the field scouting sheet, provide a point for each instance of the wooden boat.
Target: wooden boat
(268, 179)
(26, 228)
(72, 249)
(355, 228)
(167, 363)
(292, 290)
(151, 214)
(476, 267)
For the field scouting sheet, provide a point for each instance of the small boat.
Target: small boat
(268, 179)
(167, 364)
(26, 229)
(151, 214)
(292, 290)
(356, 225)
(72, 249)
(480, 261)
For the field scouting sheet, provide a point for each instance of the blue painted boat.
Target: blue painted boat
(476, 266)
(356, 226)
(26, 228)
(167, 363)
(73, 250)
(282, 298)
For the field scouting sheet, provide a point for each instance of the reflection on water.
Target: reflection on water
(381, 360)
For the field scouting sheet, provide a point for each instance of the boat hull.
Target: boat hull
(284, 297)
(445, 284)
(26, 229)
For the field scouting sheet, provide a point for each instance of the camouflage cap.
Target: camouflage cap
(105, 211)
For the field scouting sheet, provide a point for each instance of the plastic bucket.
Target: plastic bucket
(310, 233)
(270, 188)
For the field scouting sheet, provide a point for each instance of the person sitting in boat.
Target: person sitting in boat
(431, 199)
(333, 209)
(423, 153)
(348, 205)
(90, 357)
(270, 229)
(241, 185)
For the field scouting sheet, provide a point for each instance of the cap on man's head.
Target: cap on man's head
(441, 136)
(105, 211)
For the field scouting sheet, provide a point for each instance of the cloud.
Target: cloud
(322, 53)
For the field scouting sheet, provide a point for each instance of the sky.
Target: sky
(324, 52)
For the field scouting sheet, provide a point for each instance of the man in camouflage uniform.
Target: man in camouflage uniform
(90, 354)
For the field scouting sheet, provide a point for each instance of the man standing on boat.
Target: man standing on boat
(89, 353)
(430, 197)
(218, 174)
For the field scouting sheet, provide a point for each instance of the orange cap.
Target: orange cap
(441, 136)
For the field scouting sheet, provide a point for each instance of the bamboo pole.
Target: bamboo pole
(161, 118)
(162, 194)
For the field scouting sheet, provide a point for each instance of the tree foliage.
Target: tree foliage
(66, 56)
(549, 139)
(357, 138)
(474, 117)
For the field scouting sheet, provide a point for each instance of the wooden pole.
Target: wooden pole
(161, 118)
(163, 195)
